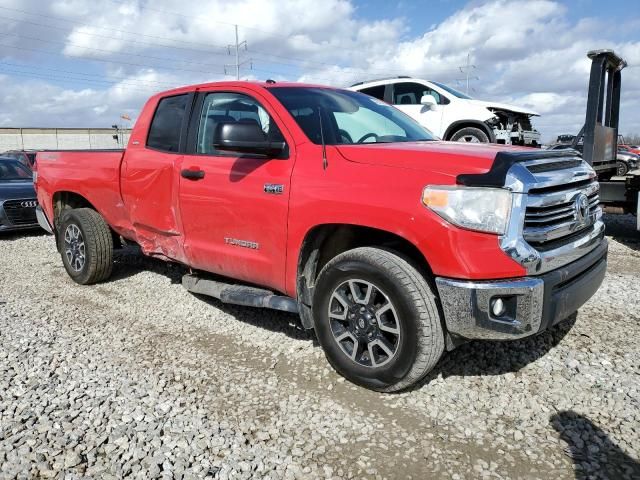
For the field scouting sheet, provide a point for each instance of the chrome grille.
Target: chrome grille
(554, 215)
(555, 218)
(21, 212)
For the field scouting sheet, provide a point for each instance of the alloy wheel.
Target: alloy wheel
(74, 247)
(364, 323)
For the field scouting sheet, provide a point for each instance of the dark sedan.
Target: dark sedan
(17, 196)
(25, 157)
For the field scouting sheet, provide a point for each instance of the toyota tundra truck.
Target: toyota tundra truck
(329, 203)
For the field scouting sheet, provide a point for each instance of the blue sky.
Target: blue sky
(420, 15)
(85, 62)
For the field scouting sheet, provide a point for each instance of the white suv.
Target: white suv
(452, 115)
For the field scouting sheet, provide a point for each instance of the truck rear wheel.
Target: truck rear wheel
(86, 246)
(470, 135)
(377, 320)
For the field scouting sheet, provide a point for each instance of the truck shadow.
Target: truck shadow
(479, 358)
(473, 358)
(129, 261)
(593, 453)
(273, 320)
(622, 228)
(18, 234)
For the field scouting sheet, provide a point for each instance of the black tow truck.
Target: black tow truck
(599, 135)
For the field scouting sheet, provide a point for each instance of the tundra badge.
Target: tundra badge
(241, 243)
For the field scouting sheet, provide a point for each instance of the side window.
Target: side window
(164, 132)
(361, 124)
(377, 92)
(408, 93)
(227, 107)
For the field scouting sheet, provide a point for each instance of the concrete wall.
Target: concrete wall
(60, 138)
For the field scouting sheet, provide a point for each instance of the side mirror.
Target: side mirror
(428, 100)
(245, 138)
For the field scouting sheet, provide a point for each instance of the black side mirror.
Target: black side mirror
(246, 138)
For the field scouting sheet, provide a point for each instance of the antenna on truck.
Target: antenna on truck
(324, 147)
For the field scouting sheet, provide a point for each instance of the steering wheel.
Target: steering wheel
(368, 135)
(344, 134)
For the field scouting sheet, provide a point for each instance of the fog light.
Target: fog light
(497, 307)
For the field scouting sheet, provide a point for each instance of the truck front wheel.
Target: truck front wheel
(86, 245)
(377, 320)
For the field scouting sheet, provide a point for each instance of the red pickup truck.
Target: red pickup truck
(392, 245)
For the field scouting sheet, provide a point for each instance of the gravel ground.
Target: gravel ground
(137, 377)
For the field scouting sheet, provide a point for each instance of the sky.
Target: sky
(84, 63)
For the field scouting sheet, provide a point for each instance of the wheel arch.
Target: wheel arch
(460, 124)
(323, 242)
(64, 199)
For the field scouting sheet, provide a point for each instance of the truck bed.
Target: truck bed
(93, 174)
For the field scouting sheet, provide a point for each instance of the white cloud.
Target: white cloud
(527, 53)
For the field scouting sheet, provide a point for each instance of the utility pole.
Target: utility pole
(237, 47)
(466, 69)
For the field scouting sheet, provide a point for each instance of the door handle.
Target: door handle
(192, 174)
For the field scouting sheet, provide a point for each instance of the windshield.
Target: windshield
(452, 91)
(13, 170)
(348, 117)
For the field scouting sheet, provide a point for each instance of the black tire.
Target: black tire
(98, 246)
(470, 135)
(622, 168)
(420, 342)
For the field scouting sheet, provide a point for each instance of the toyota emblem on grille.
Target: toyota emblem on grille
(29, 204)
(582, 208)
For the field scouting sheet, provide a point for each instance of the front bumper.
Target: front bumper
(520, 137)
(7, 225)
(532, 304)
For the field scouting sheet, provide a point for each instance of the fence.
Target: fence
(62, 138)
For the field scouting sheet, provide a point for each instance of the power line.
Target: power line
(110, 37)
(107, 28)
(466, 69)
(237, 47)
(115, 52)
(76, 80)
(100, 76)
(304, 63)
(269, 33)
(102, 60)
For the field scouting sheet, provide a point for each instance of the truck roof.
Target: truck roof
(239, 83)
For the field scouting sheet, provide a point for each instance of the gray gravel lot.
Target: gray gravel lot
(137, 377)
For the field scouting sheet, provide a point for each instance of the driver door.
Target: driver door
(407, 96)
(234, 207)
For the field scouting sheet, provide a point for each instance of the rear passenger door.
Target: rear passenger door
(234, 210)
(407, 96)
(149, 182)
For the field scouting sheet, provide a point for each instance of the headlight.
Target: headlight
(482, 209)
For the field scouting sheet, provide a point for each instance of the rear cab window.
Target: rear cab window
(166, 126)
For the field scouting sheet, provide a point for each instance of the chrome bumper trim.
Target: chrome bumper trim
(42, 220)
(467, 311)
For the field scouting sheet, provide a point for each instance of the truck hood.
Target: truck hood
(16, 189)
(504, 106)
(447, 158)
